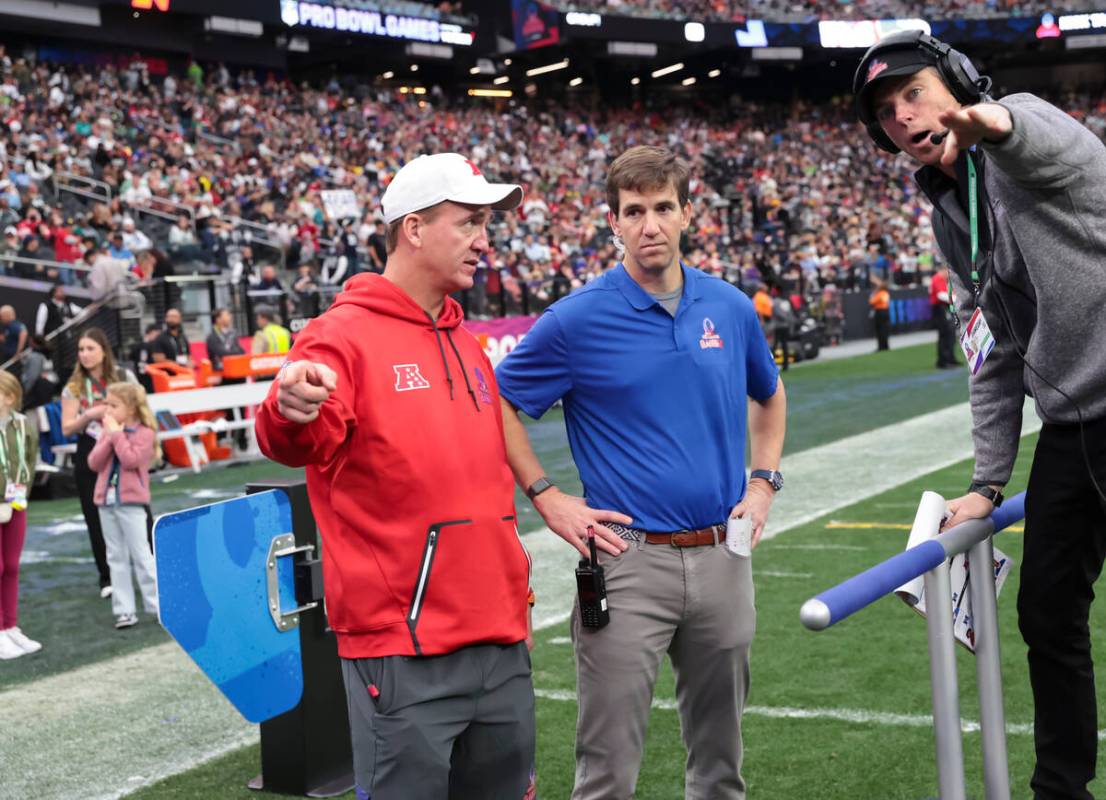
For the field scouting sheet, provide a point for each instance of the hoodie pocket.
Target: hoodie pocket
(422, 581)
(510, 519)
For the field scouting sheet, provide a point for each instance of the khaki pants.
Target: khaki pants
(696, 604)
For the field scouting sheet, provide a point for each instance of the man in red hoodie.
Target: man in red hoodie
(394, 411)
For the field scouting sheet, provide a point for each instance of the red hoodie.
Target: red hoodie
(408, 478)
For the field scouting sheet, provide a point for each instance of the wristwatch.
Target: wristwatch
(539, 486)
(984, 489)
(773, 476)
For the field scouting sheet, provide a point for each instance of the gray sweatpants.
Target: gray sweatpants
(124, 529)
(457, 726)
(696, 604)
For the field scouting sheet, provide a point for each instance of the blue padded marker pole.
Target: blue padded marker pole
(1011, 511)
(834, 605)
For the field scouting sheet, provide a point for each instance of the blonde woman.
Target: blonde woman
(82, 413)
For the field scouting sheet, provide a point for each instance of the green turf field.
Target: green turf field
(874, 663)
(838, 714)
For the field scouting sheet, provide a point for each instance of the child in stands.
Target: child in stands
(122, 458)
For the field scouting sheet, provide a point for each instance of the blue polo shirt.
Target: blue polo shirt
(655, 407)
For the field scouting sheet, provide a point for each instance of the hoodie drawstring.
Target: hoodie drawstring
(464, 371)
(445, 361)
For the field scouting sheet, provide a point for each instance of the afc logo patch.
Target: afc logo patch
(409, 378)
(709, 340)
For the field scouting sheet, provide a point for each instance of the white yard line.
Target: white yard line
(853, 716)
(820, 547)
(148, 715)
(771, 573)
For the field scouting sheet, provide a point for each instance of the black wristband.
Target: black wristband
(539, 486)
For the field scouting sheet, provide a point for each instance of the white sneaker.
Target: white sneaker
(105, 591)
(22, 640)
(8, 648)
(126, 620)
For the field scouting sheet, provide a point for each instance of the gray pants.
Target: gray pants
(125, 540)
(696, 604)
(457, 726)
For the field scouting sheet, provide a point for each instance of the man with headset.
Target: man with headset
(1019, 195)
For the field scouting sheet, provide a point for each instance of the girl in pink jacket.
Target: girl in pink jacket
(122, 458)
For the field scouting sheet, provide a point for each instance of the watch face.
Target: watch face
(777, 481)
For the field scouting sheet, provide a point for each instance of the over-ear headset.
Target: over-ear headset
(956, 70)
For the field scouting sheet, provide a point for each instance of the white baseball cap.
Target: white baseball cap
(429, 180)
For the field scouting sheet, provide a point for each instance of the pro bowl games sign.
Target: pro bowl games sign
(348, 19)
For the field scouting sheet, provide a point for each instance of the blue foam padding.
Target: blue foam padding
(1011, 511)
(861, 590)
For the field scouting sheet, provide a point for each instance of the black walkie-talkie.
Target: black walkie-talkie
(592, 589)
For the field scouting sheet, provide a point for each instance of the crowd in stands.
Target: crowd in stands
(813, 10)
(793, 195)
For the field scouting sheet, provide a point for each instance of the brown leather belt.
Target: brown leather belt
(713, 534)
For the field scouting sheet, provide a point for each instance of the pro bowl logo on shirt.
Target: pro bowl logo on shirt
(482, 387)
(709, 339)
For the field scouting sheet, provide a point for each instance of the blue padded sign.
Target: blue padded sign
(215, 604)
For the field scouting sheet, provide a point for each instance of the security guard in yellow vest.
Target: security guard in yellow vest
(270, 337)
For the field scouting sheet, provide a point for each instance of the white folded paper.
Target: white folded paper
(927, 524)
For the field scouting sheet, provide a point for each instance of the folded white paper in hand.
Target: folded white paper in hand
(927, 524)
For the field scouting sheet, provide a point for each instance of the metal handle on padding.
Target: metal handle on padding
(281, 547)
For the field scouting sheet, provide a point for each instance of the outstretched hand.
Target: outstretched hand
(970, 125)
(303, 388)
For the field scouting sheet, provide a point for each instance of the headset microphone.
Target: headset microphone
(937, 138)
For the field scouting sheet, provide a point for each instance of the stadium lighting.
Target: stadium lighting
(635, 81)
(414, 67)
(502, 79)
(575, 81)
(695, 32)
(688, 81)
(490, 93)
(667, 70)
(388, 75)
(506, 62)
(530, 73)
(474, 71)
(714, 73)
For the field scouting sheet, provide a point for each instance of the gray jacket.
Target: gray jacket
(1045, 297)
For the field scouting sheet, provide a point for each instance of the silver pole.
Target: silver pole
(942, 673)
(988, 672)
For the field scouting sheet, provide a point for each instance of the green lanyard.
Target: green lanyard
(21, 467)
(973, 220)
(973, 227)
(88, 392)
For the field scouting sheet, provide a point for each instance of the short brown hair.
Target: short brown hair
(645, 168)
(391, 235)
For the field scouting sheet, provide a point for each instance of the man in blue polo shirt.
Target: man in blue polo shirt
(654, 362)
